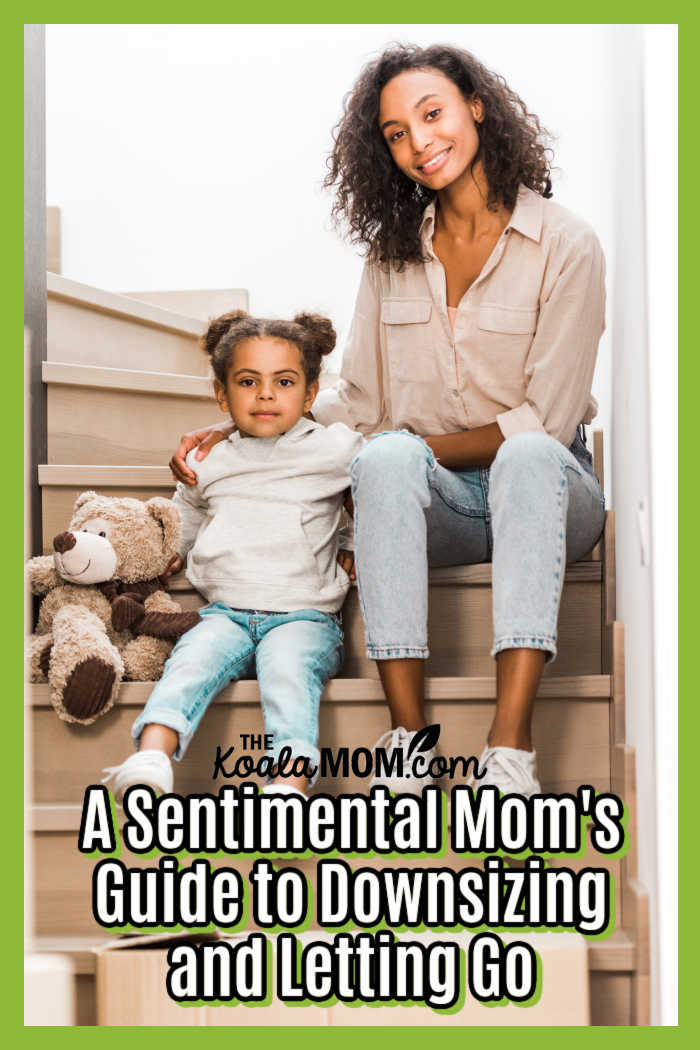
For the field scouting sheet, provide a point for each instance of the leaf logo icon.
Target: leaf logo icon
(424, 740)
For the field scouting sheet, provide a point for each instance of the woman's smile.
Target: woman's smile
(435, 162)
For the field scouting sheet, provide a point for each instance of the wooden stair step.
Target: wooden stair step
(90, 325)
(571, 731)
(461, 576)
(65, 289)
(86, 407)
(369, 690)
(63, 475)
(460, 614)
(133, 380)
(201, 303)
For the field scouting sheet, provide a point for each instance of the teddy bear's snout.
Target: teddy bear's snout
(65, 541)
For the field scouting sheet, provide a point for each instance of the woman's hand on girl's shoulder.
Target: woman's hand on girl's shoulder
(346, 560)
(203, 440)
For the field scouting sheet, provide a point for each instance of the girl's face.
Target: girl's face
(429, 127)
(266, 391)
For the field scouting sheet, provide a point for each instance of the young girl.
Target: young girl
(260, 534)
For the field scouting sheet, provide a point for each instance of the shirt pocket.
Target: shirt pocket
(507, 320)
(504, 337)
(410, 349)
(254, 541)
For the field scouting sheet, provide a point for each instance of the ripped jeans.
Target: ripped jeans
(536, 508)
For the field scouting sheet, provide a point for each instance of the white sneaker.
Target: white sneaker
(150, 768)
(408, 782)
(512, 771)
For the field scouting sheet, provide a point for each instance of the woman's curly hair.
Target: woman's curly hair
(380, 206)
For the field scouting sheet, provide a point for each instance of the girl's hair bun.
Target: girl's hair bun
(312, 334)
(320, 330)
(219, 327)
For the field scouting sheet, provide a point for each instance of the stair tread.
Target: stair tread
(88, 296)
(97, 474)
(579, 572)
(616, 953)
(581, 687)
(96, 376)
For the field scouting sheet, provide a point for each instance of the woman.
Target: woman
(474, 340)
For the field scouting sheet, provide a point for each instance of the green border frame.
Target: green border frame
(13, 411)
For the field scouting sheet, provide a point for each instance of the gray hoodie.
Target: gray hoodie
(260, 527)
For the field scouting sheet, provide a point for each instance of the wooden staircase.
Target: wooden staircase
(111, 426)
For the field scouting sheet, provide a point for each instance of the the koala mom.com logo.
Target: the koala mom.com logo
(396, 756)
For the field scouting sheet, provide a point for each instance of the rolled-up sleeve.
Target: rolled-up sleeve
(561, 361)
(357, 397)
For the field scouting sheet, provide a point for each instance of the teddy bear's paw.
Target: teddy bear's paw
(169, 625)
(38, 657)
(89, 688)
(126, 613)
(144, 658)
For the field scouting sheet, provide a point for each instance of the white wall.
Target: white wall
(187, 156)
(644, 462)
(661, 208)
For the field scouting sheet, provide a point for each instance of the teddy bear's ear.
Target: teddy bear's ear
(83, 498)
(165, 511)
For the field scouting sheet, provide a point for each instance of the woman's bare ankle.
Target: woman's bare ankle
(402, 681)
(514, 738)
(409, 720)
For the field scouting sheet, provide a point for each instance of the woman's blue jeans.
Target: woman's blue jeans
(294, 654)
(538, 507)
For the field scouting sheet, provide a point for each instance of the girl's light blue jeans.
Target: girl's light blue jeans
(536, 508)
(293, 654)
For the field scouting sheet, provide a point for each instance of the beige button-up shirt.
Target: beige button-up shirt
(524, 344)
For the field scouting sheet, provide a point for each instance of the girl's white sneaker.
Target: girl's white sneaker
(149, 768)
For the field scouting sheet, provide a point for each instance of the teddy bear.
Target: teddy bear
(105, 614)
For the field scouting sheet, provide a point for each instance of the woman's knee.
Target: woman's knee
(522, 454)
(392, 456)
